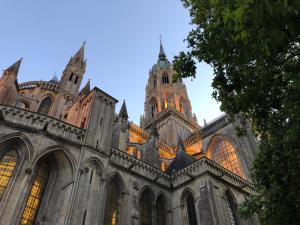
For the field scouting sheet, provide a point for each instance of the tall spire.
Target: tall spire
(14, 68)
(162, 54)
(80, 52)
(123, 111)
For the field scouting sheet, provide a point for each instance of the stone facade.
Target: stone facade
(66, 158)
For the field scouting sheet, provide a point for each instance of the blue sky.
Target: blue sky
(122, 45)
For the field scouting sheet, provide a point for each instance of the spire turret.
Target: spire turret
(74, 71)
(86, 89)
(14, 68)
(162, 55)
(123, 111)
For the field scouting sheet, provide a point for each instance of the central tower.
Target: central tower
(167, 104)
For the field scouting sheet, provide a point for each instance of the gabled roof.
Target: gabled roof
(181, 160)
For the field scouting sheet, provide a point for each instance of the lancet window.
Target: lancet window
(36, 195)
(161, 214)
(165, 79)
(8, 164)
(232, 209)
(146, 208)
(190, 208)
(45, 106)
(112, 209)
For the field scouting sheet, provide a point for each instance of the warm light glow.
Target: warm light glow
(36, 195)
(112, 204)
(7, 166)
(163, 166)
(132, 150)
(224, 154)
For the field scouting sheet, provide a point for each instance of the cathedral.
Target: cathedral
(67, 158)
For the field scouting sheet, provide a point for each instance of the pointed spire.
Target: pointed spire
(123, 111)
(14, 68)
(86, 89)
(80, 52)
(162, 54)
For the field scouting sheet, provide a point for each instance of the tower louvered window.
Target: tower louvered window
(45, 106)
(8, 164)
(165, 79)
(112, 208)
(36, 195)
(146, 209)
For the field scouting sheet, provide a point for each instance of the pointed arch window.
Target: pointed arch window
(8, 164)
(165, 79)
(190, 209)
(71, 76)
(112, 208)
(232, 208)
(161, 214)
(190, 203)
(224, 154)
(76, 79)
(153, 108)
(45, 106)
(146, 208)
(36, 195)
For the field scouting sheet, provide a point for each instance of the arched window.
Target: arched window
(161, 214)
(8, 164)
(190, 207)
(71, 76)
(22, 105)
(146, 208)
(153, 107)
(76, 79)
(132, 150)
(36, 195)
(224, 154)
(232, 208)
(45, 106)
(154, 83)
(165, 79)
(112, 208)
(163, 166)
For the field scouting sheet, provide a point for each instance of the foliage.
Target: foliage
(254, 48)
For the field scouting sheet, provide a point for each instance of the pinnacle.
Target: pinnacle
(86, 89)
(123, 111)
(14, 68)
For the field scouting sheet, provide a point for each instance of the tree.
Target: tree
(254, 49)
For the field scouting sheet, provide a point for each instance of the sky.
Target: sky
(122, 44)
